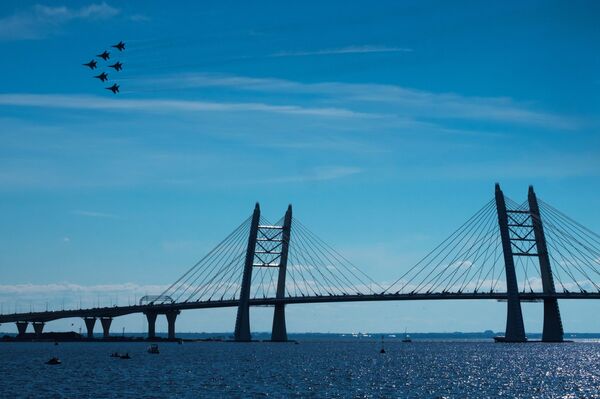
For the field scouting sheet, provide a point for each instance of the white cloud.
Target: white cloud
(139, 18)
(344, 50)
(71, 296)
(316, 174)
(165, 105)
(94, 214)
(57, 288)
(41, 20)
(420, 105)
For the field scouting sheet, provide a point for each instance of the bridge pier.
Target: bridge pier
(106, 322)
(151, 317)
(89, 325)
(171, 317)
(22, 328)
(38, 327)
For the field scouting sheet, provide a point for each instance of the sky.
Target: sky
(385, 124)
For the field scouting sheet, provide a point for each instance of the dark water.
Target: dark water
(317, 370)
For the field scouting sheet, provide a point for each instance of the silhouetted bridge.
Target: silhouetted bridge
(491, 256)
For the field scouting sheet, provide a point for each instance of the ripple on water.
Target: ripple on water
(309, 370)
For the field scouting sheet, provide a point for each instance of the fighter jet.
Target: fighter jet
(92, 64)
(118, 66)
(105, 55)
(120, 46)
(114, 88)
(103, 77)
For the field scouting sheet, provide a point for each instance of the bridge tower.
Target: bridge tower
(279, 331)
(242, 321)
(515, 330)
(268, 246)
(553, 328)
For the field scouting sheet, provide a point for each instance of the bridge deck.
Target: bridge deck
(163, 308)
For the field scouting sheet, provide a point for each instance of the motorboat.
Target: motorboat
(54, 361)
(153, 349)
(125, 356)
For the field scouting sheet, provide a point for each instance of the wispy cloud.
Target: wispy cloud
(344, 50)
(162, 105)
(49, 289)
(315, 174)
(93, 214)
(40, 20)
(421, 105)
(139, 18)
(37, 297)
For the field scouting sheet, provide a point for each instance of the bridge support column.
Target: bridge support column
(38, 327)
(242, 321)
(89, 325)
(106, 322)
(553, 328)
(279, 330)
(22, 328)
(171, 317)
(515, 330)
(151, 317)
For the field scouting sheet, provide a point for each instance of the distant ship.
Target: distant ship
(406, 337)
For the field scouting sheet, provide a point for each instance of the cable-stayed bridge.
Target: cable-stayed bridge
(506, 251)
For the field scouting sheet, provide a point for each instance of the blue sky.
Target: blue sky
(385, 124)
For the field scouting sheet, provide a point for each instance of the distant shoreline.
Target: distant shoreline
(224, 336)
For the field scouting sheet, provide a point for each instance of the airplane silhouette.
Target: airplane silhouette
(120, 46)
(103, 77)
(105, 55)
(92, 64)
(114, 88)
(118, 66)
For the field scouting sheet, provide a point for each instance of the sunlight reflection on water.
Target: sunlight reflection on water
(317, 369)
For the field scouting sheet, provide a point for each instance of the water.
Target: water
(309, 369)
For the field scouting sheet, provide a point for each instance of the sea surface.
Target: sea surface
(318, 369)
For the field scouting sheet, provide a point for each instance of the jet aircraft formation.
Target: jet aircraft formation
(117, 66)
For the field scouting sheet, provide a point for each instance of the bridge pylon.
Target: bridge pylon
(268, 247)
(279, 330)
(553, 328)
(515, 330)
(242, 321)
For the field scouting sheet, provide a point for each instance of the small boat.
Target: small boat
(115, 354)
(153, 349)
(55, 343)
(382, 348)
(406, 337)
(54, 361)
(125, 356)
